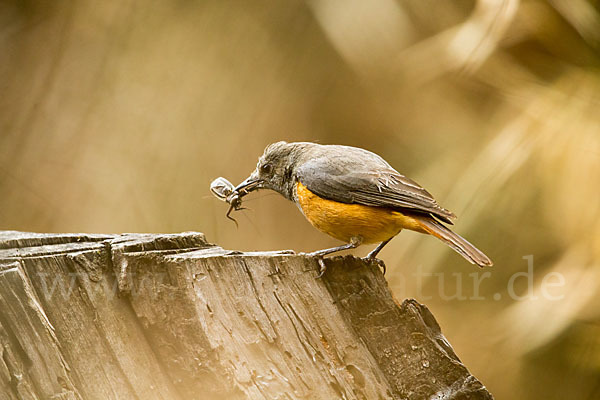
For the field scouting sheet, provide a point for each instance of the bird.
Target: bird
(355, 196)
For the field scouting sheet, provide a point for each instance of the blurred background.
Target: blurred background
(115, 116)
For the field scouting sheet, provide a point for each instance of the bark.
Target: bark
(138, 316)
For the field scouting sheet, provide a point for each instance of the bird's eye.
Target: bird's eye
(266, 168)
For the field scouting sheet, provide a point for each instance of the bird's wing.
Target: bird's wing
(353, 180)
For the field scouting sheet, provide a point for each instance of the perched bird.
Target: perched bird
(355, 196)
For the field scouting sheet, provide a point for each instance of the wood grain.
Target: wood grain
(142, 316)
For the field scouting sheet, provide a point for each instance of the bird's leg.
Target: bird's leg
(377, 249)
(373, 255)
(354, 243)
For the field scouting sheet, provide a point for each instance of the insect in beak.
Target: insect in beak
(224, 190)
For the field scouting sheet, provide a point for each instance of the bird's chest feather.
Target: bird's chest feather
(344, 221)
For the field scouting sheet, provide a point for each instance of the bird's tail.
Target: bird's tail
(456, 242)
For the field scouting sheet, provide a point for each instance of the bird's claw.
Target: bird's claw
(376, 261)
(320, 260)
(322, 267)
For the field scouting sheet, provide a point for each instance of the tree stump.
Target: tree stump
(145, 316)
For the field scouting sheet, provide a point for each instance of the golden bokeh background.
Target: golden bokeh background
(115, 116)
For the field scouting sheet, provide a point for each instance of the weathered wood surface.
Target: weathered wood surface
(139, 316)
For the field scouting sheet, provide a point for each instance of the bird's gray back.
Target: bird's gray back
(354, 175)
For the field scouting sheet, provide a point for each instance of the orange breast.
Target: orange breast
(344, 221)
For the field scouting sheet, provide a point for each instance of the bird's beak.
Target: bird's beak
(250, 184)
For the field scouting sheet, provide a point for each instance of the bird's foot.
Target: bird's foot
(319, 256)
(322, 267)
(286, 252)
(374, 260)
